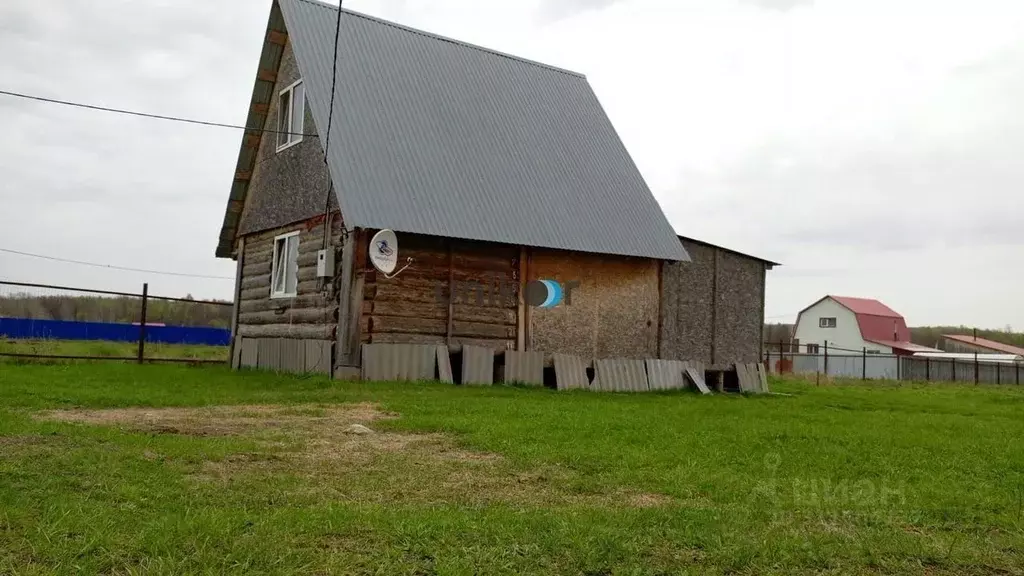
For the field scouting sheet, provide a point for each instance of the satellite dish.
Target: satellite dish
(384, 251)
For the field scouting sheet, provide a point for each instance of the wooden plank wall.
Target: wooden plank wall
(313, 313)
(429, 302)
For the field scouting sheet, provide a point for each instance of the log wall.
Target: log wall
(312, 315)
(454, 292)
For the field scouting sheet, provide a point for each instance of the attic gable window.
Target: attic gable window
(826, 322)
(291, 113)
(284, 273)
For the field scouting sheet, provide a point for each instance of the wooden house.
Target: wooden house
(494, 171)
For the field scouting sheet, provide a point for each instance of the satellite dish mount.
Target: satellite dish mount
(384, 254)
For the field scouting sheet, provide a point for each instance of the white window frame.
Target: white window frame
(827, 322)
(293, 266)
(813, 349)
(295, 136)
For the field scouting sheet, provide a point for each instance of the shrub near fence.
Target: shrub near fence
(61, 313)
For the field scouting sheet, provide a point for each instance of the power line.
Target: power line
(112, 267)
(334, 80)
(148, 115)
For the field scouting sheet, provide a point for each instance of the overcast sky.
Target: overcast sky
(872, 146)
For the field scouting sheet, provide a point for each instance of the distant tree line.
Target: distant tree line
(119, 309)
(923, 335)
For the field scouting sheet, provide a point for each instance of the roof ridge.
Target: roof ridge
(384, 22)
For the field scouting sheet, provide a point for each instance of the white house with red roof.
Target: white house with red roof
(853, 325)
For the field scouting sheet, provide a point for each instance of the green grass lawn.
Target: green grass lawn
(105, 350)
(126, 469)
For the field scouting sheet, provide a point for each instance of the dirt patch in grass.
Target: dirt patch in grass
(317, 445)
(224, 420)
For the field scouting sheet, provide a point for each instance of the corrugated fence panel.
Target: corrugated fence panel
(477, 366)
(987, 372)
(27, 328)
(250, 353)
(879, 367)
(398, 362)
(570, 372)
(444, 365)
(805, 363)
(620, 375)
(293, 355)
(1008, 374)
(318, 356)
(942, 370)
(665, 374)
(269, 354)
(524, 368)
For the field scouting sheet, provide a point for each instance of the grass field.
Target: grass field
(106, 350)
(126, 469)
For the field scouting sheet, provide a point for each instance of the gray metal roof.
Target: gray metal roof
(435, 136)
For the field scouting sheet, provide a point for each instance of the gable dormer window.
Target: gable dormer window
(291, 113)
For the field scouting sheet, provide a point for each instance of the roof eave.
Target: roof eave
(274, 41)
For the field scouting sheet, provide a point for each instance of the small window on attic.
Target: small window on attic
(291, 113)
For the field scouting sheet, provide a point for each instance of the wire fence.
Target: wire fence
(832, 361)
(49, 322)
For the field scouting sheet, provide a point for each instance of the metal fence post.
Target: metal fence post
(927, 369)
(826, 357)
(782, 359)
(975, 366)
(864, 366)
(142, 324)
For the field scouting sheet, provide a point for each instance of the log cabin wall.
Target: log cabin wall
(415, 306)
(613, 314)
(311, 316)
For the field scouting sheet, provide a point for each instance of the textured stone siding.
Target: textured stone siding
(739, 314)
(712, 309)
(686, 314)
(613, 314)
(290, 185)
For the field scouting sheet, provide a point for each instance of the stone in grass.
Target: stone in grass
(358, 429)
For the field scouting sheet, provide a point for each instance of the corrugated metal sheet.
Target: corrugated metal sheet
(318, 356)
(250, 353)
(695, 374)
(524, 368)
(269, 354)
(620, 375)
(477, 366)
(444, 365)
(435, 136)
(570, 372)
(665, 374)
(398, 362)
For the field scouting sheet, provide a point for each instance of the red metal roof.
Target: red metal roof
(985, 343)
(877, 322)
(866, 306)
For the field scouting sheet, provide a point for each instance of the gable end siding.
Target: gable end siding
(290, 185)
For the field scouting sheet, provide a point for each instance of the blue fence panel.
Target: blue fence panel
(27, 328)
